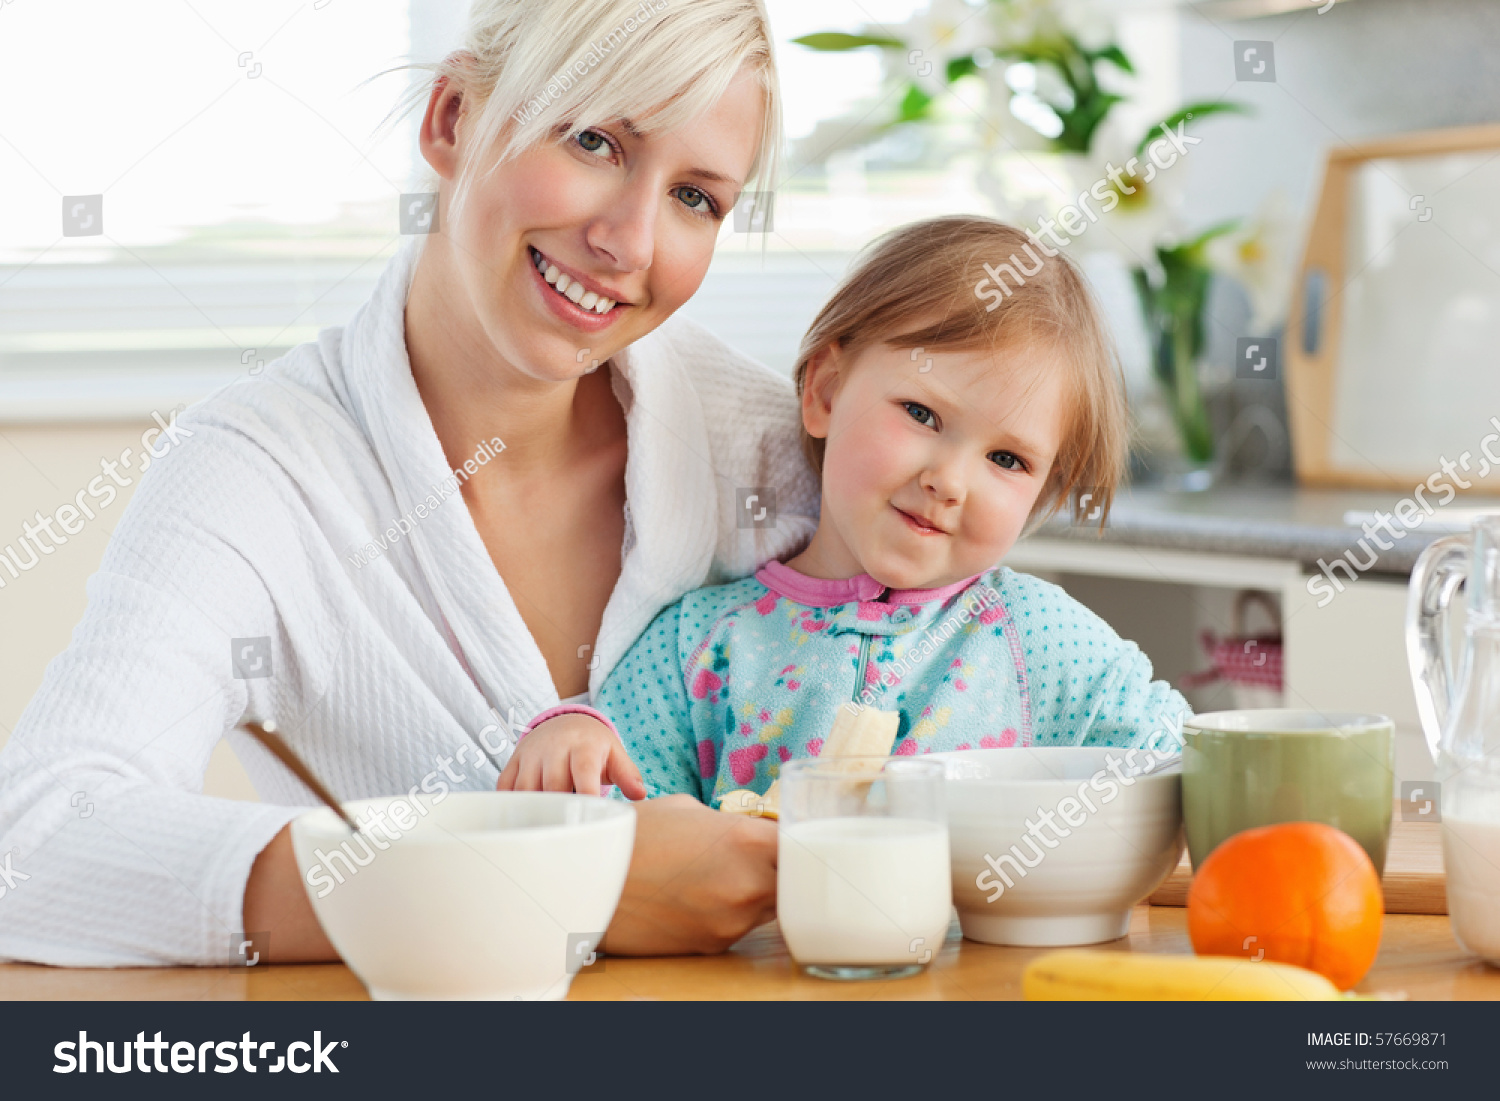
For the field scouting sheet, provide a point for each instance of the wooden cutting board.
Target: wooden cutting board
(1413, 880)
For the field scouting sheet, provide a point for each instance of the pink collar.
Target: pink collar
(820, 592)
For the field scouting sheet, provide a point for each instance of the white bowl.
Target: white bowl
(489, 894)
(1117, 840)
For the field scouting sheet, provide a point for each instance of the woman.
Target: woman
(421, 529)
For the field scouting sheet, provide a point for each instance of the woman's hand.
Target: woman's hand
(571, 753)
(699, 880)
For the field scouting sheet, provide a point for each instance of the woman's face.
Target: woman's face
(610, 216)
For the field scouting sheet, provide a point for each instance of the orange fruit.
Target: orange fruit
(1300, 892)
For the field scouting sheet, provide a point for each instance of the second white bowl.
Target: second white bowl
(1054, 846)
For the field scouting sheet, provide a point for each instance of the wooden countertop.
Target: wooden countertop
(1418, 958)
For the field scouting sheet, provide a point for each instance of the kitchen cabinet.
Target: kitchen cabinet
(1168, 566)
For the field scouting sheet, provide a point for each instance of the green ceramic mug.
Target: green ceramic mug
(1242, 769)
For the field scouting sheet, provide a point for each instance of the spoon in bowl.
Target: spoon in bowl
(266, 735)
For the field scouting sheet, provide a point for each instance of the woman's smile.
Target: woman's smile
(580, 302)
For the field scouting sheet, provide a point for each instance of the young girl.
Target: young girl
(947, 406)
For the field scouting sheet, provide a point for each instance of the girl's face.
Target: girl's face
(626, 222)
(929, 473)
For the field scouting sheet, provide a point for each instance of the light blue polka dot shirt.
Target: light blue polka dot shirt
(735, 679)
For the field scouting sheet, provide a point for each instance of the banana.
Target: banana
(860, 731)
(1082, 974)
(857, 731)
(745, 801)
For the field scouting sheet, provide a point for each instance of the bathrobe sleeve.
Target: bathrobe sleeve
(126, 861)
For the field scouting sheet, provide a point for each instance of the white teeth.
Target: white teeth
(565, 284)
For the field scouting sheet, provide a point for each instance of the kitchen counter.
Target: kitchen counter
(1419, 959)
(1283, 522)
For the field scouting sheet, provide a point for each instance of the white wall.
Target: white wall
(1359, 71)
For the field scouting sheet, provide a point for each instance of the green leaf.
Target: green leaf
(1186, 263)
(961, 67)
(834, 41)
(1217, 230)
(916, 104)
(1115, 55)
(1080, 123)
(1193, 111)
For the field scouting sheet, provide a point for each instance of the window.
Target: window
(247, 195)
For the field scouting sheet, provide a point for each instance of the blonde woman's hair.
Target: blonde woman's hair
(528, 67)
(926, 285)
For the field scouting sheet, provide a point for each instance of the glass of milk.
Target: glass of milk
(863, 888)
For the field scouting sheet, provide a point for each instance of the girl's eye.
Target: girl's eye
(1007, 460)
(695, 200)
(592, 141)
(920, 413)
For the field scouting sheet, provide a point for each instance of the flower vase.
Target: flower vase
(1174, 315)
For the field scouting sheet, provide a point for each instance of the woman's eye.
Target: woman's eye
(920, 413)
(696, 201)
(1007, 460)
(591, 141)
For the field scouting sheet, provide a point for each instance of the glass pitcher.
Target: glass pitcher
(1458, 699)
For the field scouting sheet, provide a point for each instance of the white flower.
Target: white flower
(942, 32)
(1023, 21)
(1133, 215)
(1260, 256)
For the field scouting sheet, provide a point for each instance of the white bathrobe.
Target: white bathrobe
(242, 554)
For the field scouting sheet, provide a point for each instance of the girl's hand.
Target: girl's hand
(571, 753)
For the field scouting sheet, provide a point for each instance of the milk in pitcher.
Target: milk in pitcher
(1471, 858)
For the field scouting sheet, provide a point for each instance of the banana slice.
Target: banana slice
(752, 803)
(858, 731)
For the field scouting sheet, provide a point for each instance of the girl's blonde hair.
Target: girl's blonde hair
(528, 67)
(965, 283)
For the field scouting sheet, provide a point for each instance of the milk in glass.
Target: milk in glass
(863, 890)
